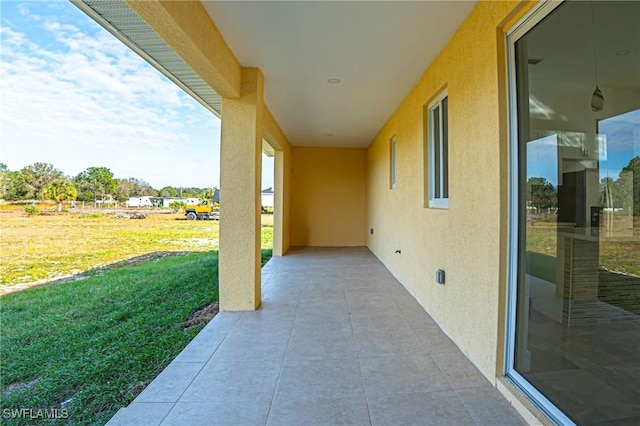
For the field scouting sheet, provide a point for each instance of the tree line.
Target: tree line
(622, 194)
(43, 181)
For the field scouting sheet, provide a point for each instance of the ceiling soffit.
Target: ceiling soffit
(377, 50)
(124, 23)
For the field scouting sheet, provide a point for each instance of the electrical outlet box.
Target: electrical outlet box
(440, 276)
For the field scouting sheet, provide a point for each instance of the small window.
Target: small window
(392, 160)
(438, 119)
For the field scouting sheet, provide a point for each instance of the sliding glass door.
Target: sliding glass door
(575, 217)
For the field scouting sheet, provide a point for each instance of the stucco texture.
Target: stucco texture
(328, 197)
(240, 173)
(465, 239)
(275, 137)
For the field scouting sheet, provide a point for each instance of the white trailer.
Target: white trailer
(139, 202)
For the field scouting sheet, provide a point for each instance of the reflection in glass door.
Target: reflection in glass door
(577, 290)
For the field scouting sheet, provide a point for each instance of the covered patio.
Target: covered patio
(337, 340)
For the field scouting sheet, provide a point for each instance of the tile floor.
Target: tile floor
(337, 341)
(591, 371)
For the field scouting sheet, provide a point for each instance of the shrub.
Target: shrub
(177, 206)
(30, 209)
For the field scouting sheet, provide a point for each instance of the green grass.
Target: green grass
(267, 236)
(542, 239)
(97, 342)
(43, 248)
(39, 249)
(620, 255)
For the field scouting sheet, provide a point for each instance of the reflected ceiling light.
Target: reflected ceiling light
(623, 52)
(333, 80)
(597, 98)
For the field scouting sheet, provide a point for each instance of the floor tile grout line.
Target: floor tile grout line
(364, 391)
(284, 355)
(364, 387)
(465, 408)
(204, 364)
(341, 288)
(173, 405)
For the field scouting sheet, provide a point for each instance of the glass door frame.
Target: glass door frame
(518, 30)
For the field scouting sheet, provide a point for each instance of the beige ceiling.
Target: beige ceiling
(572, 40)
(378, 50)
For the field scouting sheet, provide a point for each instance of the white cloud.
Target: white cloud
(10, 38)
(87, 100)
(24, 11)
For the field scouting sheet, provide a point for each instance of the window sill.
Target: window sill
(439, 203)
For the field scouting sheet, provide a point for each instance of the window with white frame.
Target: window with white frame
(438, 116)
(392, 165)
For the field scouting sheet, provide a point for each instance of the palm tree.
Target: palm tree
(60, 190)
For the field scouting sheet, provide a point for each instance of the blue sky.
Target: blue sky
(623, 142)
(74, 96)
(619, 137)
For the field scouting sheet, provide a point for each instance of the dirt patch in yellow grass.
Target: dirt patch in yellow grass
(39, 249)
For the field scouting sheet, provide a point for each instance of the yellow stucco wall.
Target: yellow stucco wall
(274, 135)
(286, 181)
(467, 240)
(328, 197)
(240, 176)
(188, 29)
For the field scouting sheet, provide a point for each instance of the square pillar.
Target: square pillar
(240, 177)
(279, 214)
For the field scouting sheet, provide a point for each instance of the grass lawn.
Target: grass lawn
(97, 342)
(88, 347)
(91, 346)
(43, 248)
(618, 255)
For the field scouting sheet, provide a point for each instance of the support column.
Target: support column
(278, 204)
(278, 141)
(240, 176)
